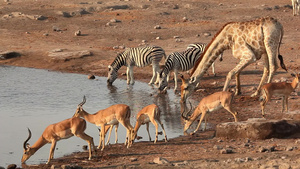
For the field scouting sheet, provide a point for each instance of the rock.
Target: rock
(295, 115)
(239, 160)
(180, 164)
(157, 27)
(9, 55)
(159, 160)
(226, 151)
(11, 166)
(71, 167)
(263, 149)
(91, 77)
(21, 15)
(207, 34)
(291, 148)
(114, 20)
(84, 147)
(79, 12)
(217, 147)
(77, 33)
(133, 159)
(118, 7)
(178, 40)
(54, 167)
(258, 128)
(65, 56)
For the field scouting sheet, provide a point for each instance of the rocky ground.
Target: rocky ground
(45, 34)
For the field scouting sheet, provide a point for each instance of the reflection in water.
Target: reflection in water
(36, 98)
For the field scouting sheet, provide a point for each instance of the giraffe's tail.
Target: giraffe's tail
(281, 62)
(280, 56)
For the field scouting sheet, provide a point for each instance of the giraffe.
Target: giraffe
(249, 41)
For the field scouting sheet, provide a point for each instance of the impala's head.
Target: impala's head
(185, 115)
(79, 109)
(112, 75)
(163, 81)
(28, 152)
(296, 75)
(187, 88)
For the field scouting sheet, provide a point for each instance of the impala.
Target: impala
(106, 128)
(54, 132)
(150, 113)
(208, 104)
(118, 113)
(281, 89)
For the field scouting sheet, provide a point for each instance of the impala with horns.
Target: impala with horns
(208, 104)
(150, 113)
(118, 113)
(54, 132)
(281, 89)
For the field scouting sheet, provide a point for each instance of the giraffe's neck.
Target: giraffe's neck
(214, 49)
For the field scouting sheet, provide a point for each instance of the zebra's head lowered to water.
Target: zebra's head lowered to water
(163, 81)
(112, 75)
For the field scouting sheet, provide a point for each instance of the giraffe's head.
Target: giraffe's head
(187, 88)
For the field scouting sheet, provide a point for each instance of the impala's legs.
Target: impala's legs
(110, 129)
(203, 114)
(147, 128)
(162, 126)
(52, 148)
(90, 141)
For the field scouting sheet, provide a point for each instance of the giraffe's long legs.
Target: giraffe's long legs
(247, 59)
(265, 73)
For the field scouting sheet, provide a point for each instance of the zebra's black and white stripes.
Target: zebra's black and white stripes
(140, 57)
(180, 61)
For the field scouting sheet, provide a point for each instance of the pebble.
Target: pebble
(91, 76)
(207, 34)
(217, 147)
(226, 151)
(114, 20)
(157, 27)
(133, 159)
(77, 33)
(11, 166)
(159, 160)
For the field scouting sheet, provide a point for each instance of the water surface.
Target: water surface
(35, 98)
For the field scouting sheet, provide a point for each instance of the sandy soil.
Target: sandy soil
(182, 23)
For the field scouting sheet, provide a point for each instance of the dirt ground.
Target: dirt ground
(109, 26)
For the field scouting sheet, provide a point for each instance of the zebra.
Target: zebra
(181, 61)
(140, 57)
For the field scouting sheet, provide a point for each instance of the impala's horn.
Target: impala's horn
(82, 103)
(25, 142)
